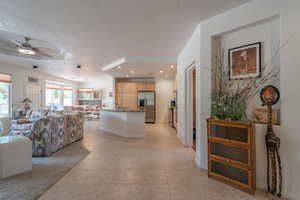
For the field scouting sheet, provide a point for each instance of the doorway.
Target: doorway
(191, 106)
(194, 106)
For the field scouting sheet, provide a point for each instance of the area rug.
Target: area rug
(46, 171)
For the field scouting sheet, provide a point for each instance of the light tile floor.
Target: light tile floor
(157, 167)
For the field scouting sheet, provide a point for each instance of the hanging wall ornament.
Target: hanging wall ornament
(270, 95)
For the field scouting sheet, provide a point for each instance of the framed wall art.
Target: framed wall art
(245, 61)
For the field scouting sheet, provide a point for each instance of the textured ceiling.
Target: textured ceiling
(97, 32)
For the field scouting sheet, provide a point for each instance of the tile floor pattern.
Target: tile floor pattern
(157, 167)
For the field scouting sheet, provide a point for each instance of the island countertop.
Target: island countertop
(120, 110)
(123, 122)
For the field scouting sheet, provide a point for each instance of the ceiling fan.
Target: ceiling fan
(25, 48)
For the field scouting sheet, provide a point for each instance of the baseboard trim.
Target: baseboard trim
(291, 197)
(198, 162)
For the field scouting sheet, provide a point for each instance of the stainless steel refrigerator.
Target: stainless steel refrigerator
(146, 102)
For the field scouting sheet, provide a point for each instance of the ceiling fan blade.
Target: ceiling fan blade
(16, 42)
(37, 51)
(55, 53)
(43, 49)
(49, 51)
(14, 52)
(8, 50)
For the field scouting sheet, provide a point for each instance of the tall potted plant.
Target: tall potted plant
(231, 97)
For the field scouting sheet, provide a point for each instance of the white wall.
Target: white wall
(189, 55)
(19, 82)
(268, 33)
(246, 15)
(164, 89)
(104, 82)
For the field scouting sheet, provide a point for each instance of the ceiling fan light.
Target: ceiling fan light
(25, 50)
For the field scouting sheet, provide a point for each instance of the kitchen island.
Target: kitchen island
(123, 122)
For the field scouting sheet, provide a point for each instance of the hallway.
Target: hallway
(156, 167)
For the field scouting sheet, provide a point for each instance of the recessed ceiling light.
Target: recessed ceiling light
(161, 71)
(172, 66)
(119, 67)
(132, 72)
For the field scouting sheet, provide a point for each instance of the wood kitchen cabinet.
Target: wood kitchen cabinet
(129, 88)
(119, 87)
(124, 87)
(119, 100)
(141, 86)
(129, 101)
(145, 86)
(150, 86)
(126, 93)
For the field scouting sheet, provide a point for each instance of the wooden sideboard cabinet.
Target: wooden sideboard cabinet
(231, 153)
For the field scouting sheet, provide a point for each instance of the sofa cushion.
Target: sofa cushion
(25, 126)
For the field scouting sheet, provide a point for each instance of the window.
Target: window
(5, 87)
(68, 96)
(53, 95)
(58, 95)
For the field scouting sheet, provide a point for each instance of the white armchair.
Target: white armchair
(15, 155)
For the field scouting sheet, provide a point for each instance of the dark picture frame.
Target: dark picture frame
(245, 61)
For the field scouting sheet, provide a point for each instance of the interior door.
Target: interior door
(34, 93)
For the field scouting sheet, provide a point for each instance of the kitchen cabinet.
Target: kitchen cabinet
(126, 93)
(145, 86)
(129, 88)
(141, 86)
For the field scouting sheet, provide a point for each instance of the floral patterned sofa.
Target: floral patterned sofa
(50, 133)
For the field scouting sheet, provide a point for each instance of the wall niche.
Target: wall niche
(268, 34)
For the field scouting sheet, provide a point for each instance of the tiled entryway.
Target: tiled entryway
(157, 167)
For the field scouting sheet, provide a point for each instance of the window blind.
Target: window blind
(67, 88)
(53, 87)
(6, 78)
(58, 87)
